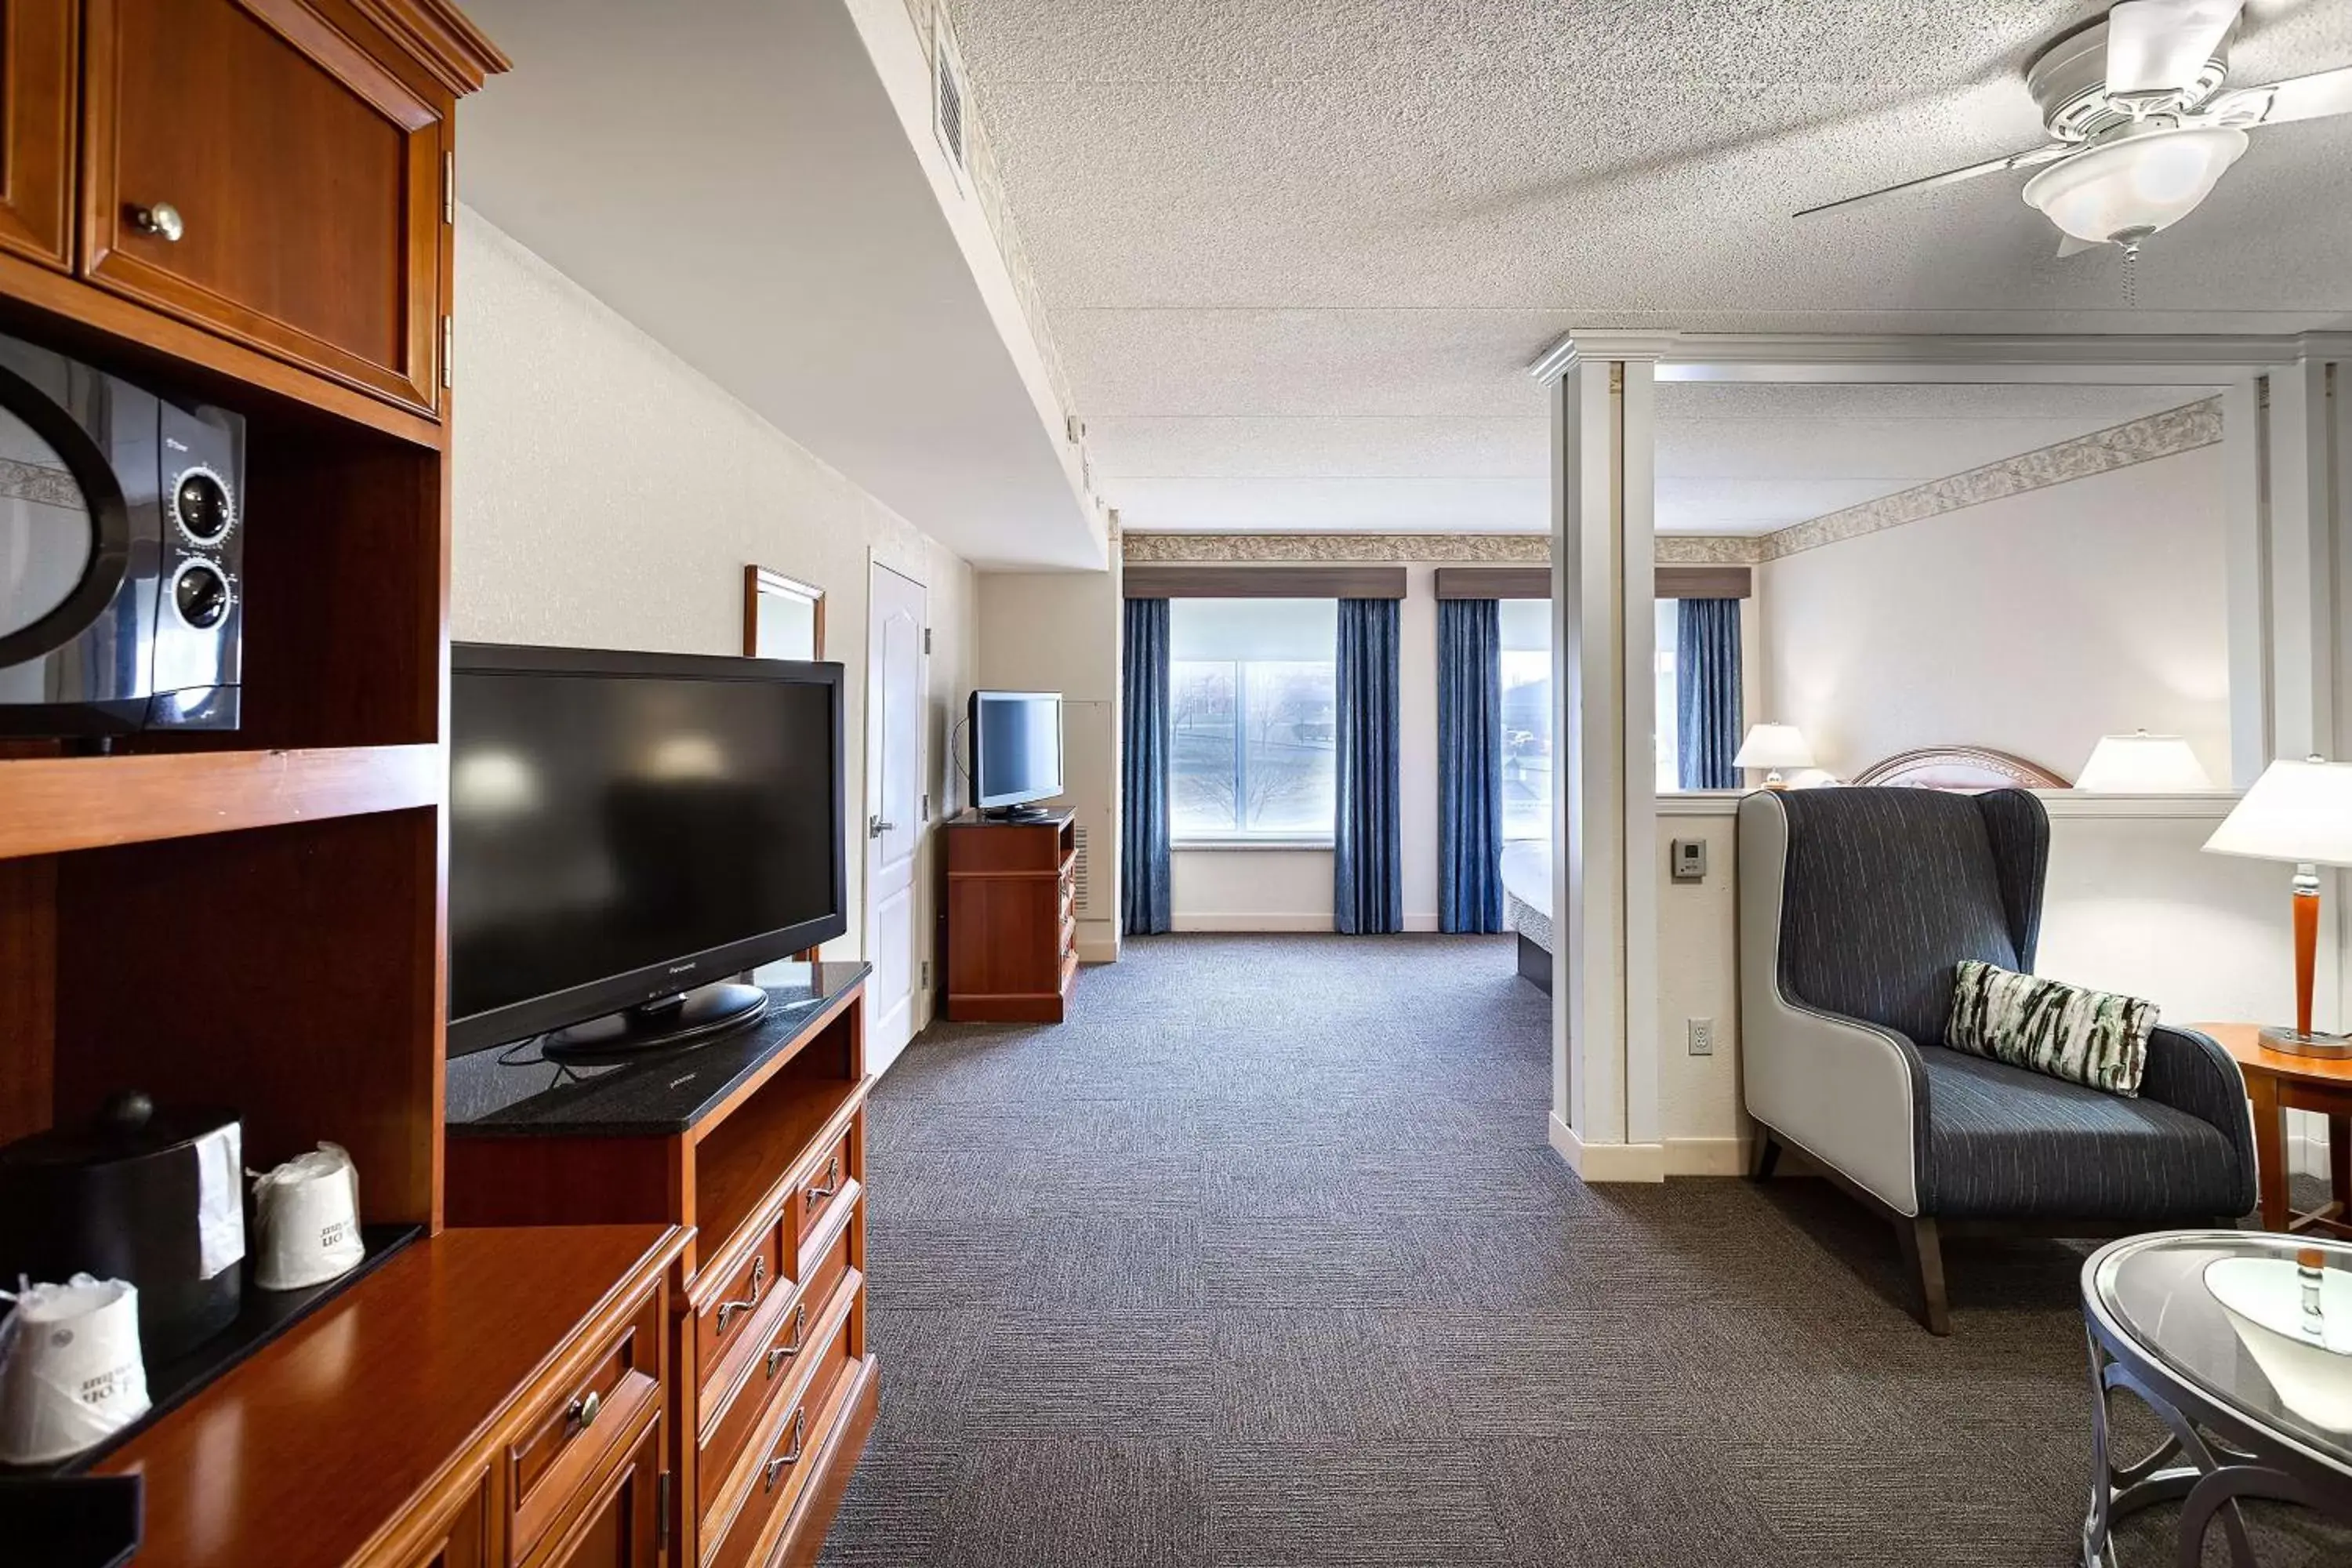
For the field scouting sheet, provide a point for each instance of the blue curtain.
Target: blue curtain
(1368, 881)
(1469, 765)
(1143, 773)
(1707, 692)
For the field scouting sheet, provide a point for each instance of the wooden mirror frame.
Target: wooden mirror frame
(759, 580)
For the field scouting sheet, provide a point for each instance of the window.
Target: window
(1669, 699)
(1526, 717)
(1252, 719)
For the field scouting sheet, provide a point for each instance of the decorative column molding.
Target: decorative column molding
(1605, 919)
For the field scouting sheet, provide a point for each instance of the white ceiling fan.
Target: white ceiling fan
(2143, 122)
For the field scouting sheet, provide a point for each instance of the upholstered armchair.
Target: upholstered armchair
(1854, 906)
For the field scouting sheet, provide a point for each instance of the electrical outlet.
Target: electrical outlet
(1702, 1037)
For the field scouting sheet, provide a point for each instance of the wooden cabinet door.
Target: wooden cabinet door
(458, 1536)
(623, 1527)
(300, 157)
(36, 131)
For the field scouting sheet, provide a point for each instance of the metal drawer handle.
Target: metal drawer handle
(832, 1185)
(727, 1309)
(790, 1455)
(582, 1411)
(784, 1351)
(163, 220)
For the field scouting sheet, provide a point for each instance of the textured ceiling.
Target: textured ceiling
(1330, 233)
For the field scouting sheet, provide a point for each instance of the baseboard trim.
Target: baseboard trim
(1251, 923)
(1608, 1162)
(1706, 1156)
(1093, 952)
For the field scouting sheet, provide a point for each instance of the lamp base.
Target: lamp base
(2295, 1043)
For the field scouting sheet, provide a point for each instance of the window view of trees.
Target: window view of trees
(1526, 717)
(1253, 718)
(1253, 749)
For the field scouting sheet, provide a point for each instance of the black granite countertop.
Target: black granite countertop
(515, 1091)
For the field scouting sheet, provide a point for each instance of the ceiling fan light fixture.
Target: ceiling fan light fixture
(2126, 188)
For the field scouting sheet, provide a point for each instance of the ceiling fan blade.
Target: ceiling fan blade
(2313, 97)
(2026, 159)
(2161, 46)
(2069, 246)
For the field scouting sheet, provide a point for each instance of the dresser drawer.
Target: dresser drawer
(788, 1346)
(725, 1324)
(779, 1465)
(826, 1184)
(562, 1451)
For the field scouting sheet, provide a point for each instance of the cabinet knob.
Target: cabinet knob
(583, 1410)
(163, 220)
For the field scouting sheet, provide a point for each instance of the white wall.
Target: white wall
(1059, 631)
(2132, 905)
(1248, 889)
(2034, 624)
(608, 495)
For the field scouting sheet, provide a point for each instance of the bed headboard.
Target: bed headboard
(1959, 767)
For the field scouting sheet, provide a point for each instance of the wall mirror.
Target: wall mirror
(783, 617)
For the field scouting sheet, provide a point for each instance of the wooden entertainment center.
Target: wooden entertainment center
(252, 203)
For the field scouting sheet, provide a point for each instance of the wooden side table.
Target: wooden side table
(2278, 1083)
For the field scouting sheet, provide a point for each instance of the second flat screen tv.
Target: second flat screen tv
(629, 831)
(1017, 749)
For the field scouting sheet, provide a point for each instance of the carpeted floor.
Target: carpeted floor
(1262, 1258)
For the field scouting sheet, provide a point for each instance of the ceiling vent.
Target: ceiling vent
(948, 97)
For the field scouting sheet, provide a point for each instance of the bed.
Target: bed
(1526, 906)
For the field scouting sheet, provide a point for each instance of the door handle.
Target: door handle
(875, 827)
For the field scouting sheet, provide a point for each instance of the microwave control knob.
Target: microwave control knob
(201, 593)
(200, 505)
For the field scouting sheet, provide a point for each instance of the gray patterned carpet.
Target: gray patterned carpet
(1262, 1259)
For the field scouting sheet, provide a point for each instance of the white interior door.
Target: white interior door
(893, 765)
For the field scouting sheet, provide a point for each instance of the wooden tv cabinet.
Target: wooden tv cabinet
(757, 1140)
(1012, 919)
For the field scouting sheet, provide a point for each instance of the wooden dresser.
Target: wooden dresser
(251, 204)
(758, 1140)
(1012, 919)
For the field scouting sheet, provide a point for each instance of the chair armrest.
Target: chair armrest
(2192, 1072)
(1850, 1093)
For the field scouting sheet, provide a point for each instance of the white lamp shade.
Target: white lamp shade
(2142, 764)
(2135, 185)
(1774, 746)
(2296, 811)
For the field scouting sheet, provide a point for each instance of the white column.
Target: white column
(1604, 1114)
(2248, 584)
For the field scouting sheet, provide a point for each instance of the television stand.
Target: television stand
(1011, 918)
(690, 1015)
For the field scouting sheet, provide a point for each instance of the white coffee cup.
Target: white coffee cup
(70, 1371)
(308, 1212)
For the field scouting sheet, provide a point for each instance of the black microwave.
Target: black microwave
(121, 553)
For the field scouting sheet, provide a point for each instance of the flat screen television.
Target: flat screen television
(627, 832)
(1017, 749)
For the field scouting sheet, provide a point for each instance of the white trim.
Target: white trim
(1251, 922)
(1219, 846)
(1706, 1156)
(2247, 580)
(1764, 357)
(2209, 805)
(1636, 459)
(1701, 803)
(1098, 949)
(1594, 1163)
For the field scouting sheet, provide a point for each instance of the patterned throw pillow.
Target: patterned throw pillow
(2093, 1037)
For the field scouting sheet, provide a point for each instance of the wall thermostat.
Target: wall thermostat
(1687, 857)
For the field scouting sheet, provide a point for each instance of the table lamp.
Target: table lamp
(1774, 747)
(2299, 812)
(2142, 764)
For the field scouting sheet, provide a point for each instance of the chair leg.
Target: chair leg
(1923, 1255)
(1768, 1155)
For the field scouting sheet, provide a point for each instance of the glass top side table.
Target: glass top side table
(2240, 1343)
